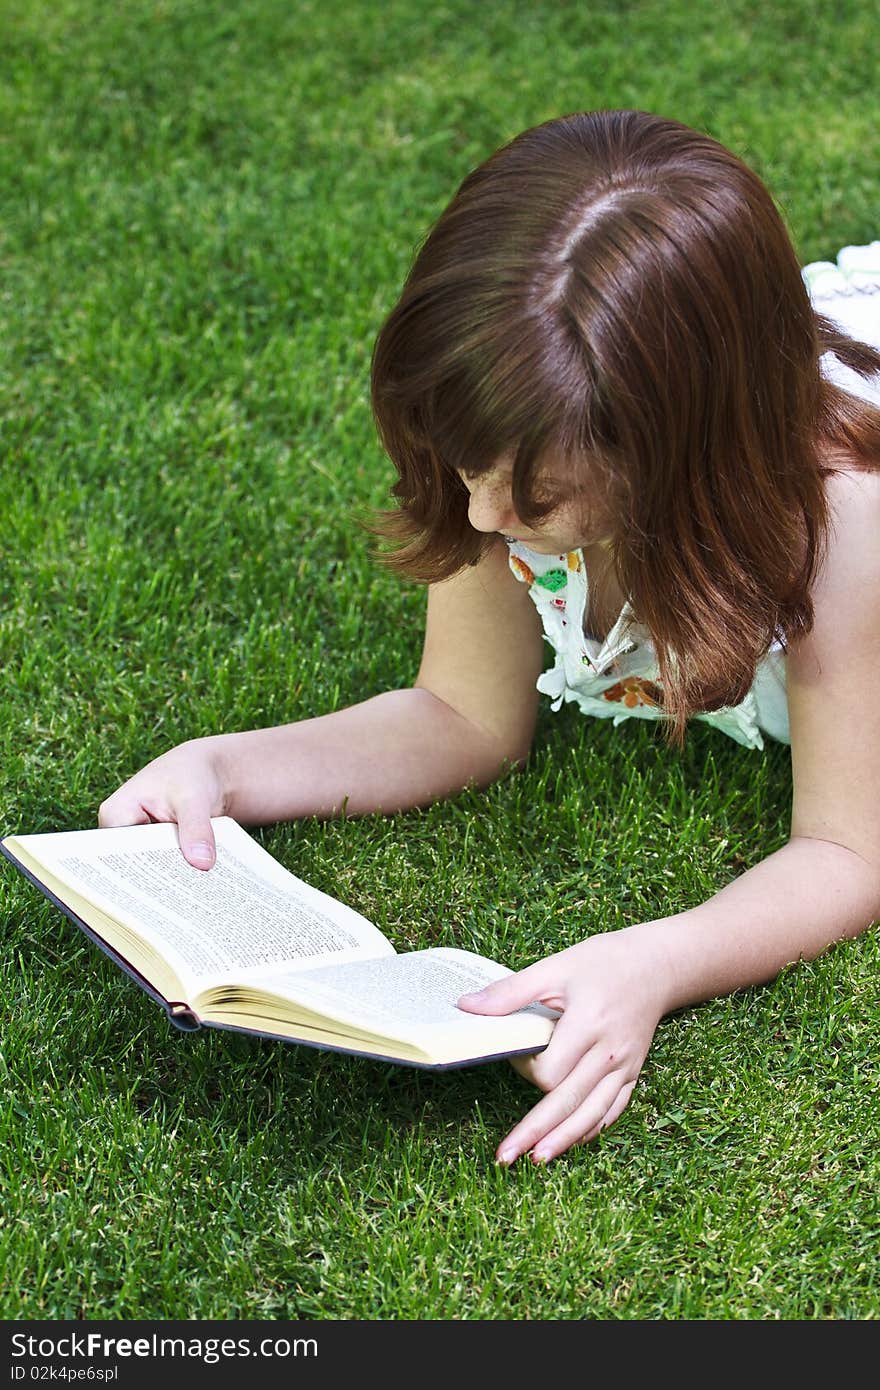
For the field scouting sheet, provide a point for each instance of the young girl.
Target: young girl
(619, 424)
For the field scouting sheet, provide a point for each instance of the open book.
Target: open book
(249, 946)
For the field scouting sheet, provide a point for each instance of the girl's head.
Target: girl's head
(606, 335)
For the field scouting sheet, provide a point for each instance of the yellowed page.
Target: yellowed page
(392, 1003)
(247, 916)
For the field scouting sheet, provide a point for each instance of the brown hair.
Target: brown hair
(619, 291)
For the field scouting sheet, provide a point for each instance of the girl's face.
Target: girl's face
(491, 510)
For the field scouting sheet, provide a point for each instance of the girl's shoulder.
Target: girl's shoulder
(853, 544)
(831, 671)
(848, 487)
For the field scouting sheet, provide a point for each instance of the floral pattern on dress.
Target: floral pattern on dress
(552, 580)
(618, 678)
(633, 691)
(522, 570)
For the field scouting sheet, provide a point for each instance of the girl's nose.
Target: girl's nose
(490, 507)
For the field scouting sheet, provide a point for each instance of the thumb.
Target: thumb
(512, 992)
(196, 836)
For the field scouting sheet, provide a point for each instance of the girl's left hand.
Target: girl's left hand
(610, 991)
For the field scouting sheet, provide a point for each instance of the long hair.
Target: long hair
(618, 292)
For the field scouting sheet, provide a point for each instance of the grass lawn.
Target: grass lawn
(207, 210)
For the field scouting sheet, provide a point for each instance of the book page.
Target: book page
(412, 996)
(245, 914)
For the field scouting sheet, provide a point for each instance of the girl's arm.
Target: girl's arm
(824, 885)
(470, 714)
(820, 887)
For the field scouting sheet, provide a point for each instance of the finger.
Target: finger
(556, 1107)
(613, 1114)
(196, 835)
(121, 810)
(194, 831)
(525, 1066)
(513, 991)
(572, 1039)
(597, 1113)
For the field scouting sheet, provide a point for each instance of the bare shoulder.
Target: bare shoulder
(846, 588)
(853, 549)
(848, 487)
(832, 679)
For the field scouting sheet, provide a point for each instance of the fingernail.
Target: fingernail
(539, 1155)
(201, 854)
(506, 1156)
(478, 994)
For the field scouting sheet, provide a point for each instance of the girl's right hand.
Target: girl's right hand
(183, 785)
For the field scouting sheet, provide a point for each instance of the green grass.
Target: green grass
(207, 210)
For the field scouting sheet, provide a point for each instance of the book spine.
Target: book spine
(182, 1016)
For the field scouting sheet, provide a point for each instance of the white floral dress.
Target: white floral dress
(618, 678)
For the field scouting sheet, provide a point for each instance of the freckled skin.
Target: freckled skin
(491, 511)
